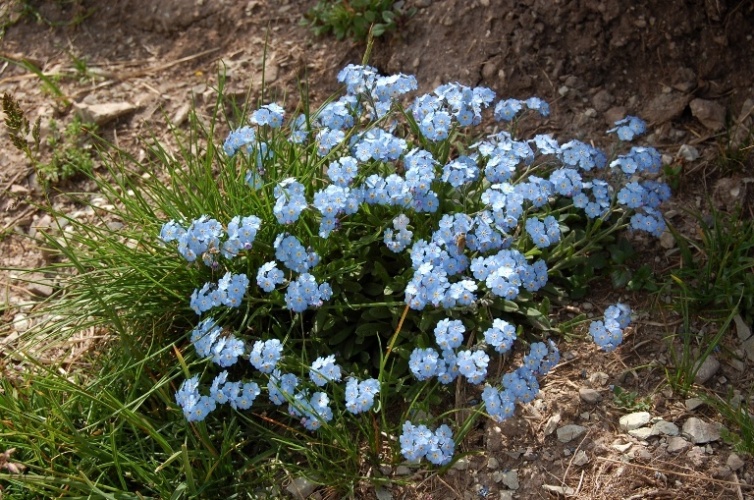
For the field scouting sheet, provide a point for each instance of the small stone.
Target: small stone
(386, 470)
(590, 396)
(622, 447)
(641, 433)
(734, 462)
(664, 428)
(461, 464)
(492, 463)
(614, 114)
(570, 432)
(677, 444)
(510, 480)
(642, 455)
(602, 100)
(709, 113)
(563, 91)
(688, 153)
(103, 113)
(721, 472)
(581, 458)
(590, 113)
(693, 403)
(742, 329)
(701, 432)
(665, 107)
(634, 420)
(559, 490)
(737, 364)
(748, 347)
(529, 455)
(599, 379)
(39, 285)
(706, 369)
(506, 495)
(667, 240)
(19, 189)
(403, 470)
(498, 476)
(552, 424)
(301, 487)
(383, 493)
(21, 323)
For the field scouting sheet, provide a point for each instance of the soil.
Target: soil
(684, 65)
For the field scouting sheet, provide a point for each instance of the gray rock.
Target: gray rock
(103, 113)
(734, 462)
(301, 487)
(602, 100)
(634, 420)
(590, 396)
(498, 476)
(599, 379)
(688, 153)
(492, 463)
(383, 493)
(402, 470)
(641, 433)
(701, 432)
(21, 323)
(39, 285)
(581, 458)
(461, 464)
(693, 403)
(706, 369)
(748, 347)
(667, 240)
(622, 447)
(677, 444)
(709, 113)
(664, 428)
(570, 432)
(665, 107)
(552, 424)
(559, 490)
(742, 329)
(510, 480)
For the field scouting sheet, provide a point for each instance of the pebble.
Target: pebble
(734, 462)
(748, 347)
(492, 463)
(383, 493)
(667, 240)
(642, 455)
(663, 427)
(581, 458)
(103, 113)
(590, 396)
(693, 403)
(301, 487)
(634, 420)
(599, 379)
(403, 470)
(688, 153)
(510, 480)
(602, 100)
(21, 323)
(461, 464)
(677, 444)
(709, 113)
(570, 432)
(559, 490)
(552, 424)
(706, 369)
(701, 432)
(641, 433)
(742, 329)
(622, 447)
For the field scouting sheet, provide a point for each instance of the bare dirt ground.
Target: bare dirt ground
(684, 65)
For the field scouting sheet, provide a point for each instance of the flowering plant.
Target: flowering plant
(369, 248)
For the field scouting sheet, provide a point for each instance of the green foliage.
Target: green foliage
(630, 401)
(739, 418)
(70, 152)
(354, 19)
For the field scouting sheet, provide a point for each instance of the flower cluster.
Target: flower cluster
(418, 442)
(520, 385)
(608, 333)
(482, 228)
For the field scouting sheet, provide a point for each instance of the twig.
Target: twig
(17, 218)
(458, 495)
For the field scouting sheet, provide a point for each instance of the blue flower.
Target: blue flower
(508, 109)
(500, 405)
(327, 139)
(281, 387)
(473, 365)
(423, 363)
(204, 335)
(460, 171)
(449, 333)
(290, 251)
(268, 276)
(226, 350)
(195, 406)
(537, 104)
(313, 411)
(628, 128)
(360, 395)
(264, 356)
(290, 200)
(418, 442)
(269, 114)
(500, 335)
(343, 171)
(244, 395)
(324, 370)
(244, 137)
